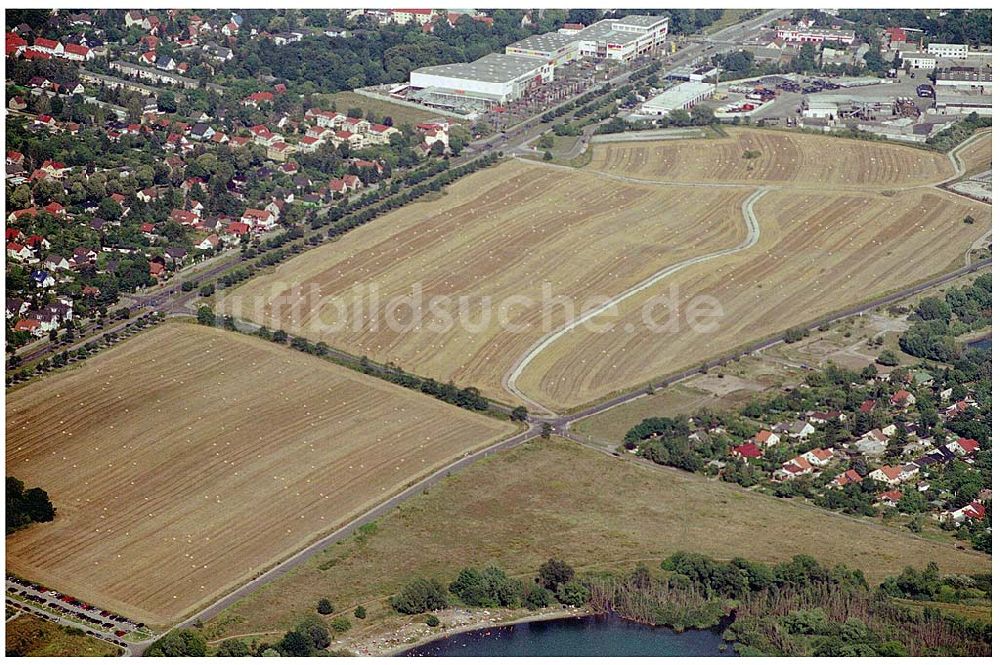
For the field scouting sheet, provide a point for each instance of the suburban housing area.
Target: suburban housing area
(365, 331)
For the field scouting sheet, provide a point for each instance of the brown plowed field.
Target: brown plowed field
(499, 234)
(785, 158)
(818, 252)
(189, 459)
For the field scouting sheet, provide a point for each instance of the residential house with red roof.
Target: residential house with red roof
(35, 54)
(766, 438)
(49, 46)
(234, 231)
(259, 219)
(55, 209)
(888, 474)
(258, 98)
(78, 52)
(280, 151)
(849, 477)
(18, 252)
(794, 468)
(23, 212)
(975, 510)
(819, 456)
(889, 498)
(211, 242)
(354, 141)
(747, 451)
(32, 326)
(183, 217)
(380, 134)
(964, 447)
(53, 168)
(903, 398)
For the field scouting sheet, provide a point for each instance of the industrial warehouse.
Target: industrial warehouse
(494, 79)
(499, 79)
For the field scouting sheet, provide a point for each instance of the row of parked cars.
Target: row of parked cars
(40, 595)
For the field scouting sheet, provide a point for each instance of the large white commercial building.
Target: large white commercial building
(681, 96)
(556, 47)
(965, 78)
(614, 39)
(492, 80)
(498, 79)
(799, 35)
(950, 51)
(623, 39)
(917, 60)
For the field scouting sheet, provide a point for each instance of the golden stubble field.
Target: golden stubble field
(496, 240)
(841, 222)
(785, 158)
(818, 252)
(190, 459)
(978, 155)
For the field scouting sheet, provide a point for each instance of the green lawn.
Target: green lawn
(400, 114)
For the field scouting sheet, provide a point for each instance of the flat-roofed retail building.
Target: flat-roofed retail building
(494, 79)
(682, 96)
(555, 47)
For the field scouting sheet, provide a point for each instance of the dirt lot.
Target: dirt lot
(559, 499)
(785, 158)
(501, 234)
(189, 459)
(818, 252)
(28, 635)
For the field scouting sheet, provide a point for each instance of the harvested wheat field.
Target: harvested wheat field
(491, 244)
(817, 253)
(978, 155)
(785, 158)
(189, 459)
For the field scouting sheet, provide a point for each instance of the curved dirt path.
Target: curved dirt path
(753, 235)
(956, 158)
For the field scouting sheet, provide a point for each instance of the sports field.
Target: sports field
(559, 499)
(189, 459)
(785, 158)
(495, 240)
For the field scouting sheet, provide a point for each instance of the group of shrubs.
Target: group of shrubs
(311, 637)
(492, 587)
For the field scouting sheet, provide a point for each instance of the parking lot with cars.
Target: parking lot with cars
(29, 596)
